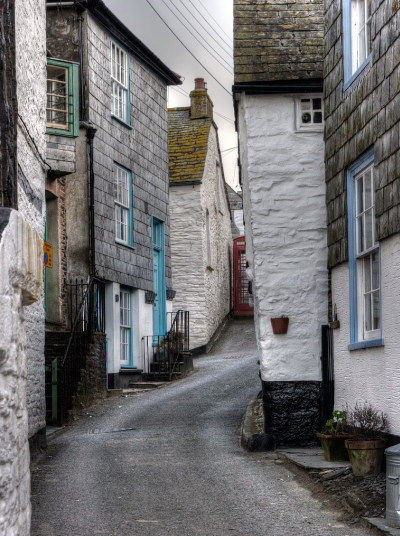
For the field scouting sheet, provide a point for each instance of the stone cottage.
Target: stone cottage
(22, 177)
(362, 153)
(278, 66)
(107, 191)
(201, 237)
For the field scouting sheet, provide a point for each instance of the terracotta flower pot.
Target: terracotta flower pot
(366, 456)
(280, 325)
(334, 447)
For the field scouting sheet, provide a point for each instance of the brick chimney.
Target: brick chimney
(201, 105)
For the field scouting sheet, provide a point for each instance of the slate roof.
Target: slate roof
(278, 40)
(188, 143)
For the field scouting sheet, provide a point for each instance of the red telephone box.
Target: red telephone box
(242, 299)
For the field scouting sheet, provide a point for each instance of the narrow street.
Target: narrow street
(168, 462)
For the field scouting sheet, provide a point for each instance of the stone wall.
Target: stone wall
(366, 113)
(31, 94)
(141, 148)
(371, 374)
(21, 268)
(285, 214)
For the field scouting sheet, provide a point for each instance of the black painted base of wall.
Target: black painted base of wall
(292, 411)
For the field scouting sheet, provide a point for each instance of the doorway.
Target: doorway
(160, 301)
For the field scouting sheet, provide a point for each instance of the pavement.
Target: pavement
(168, 462)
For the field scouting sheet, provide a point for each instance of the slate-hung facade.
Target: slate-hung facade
(362, 133)
(107, 142)
(278, 55)
(201, 237)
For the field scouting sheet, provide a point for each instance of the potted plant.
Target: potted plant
(280, 325)
(333, 438)
(368, 428)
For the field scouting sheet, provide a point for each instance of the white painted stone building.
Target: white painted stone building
(22, 177)
(201, 237)
(278, 100)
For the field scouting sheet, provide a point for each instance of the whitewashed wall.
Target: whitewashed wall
(284, 207)
(186, 217)
(213, 199)
(371, 374)
(30, 22)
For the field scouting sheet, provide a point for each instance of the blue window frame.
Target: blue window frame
(364, 256)
(120, 88)
(357, 44)
(123, 205)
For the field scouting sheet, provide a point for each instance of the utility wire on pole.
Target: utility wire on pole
(188, 49)
(212, 18)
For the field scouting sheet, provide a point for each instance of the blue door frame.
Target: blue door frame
(160, 302)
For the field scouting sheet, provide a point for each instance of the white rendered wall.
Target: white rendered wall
(186, 217)
(30, 22)
(213, 199)
(285, 215)
(371, 374)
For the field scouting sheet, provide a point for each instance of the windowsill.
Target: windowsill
(127, 125)
(356, 74)
(373, 343)
(311, 130)
(51, 131)
(120, 243)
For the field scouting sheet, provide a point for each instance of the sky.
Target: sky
(208, 35)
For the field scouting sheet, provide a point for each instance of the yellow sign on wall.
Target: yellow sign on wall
(48, 255)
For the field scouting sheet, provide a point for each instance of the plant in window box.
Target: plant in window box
(333, 437)
(368, 428)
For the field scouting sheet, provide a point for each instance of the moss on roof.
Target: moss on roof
(188, 143)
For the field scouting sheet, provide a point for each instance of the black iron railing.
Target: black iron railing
(168, 354)
(86, 311)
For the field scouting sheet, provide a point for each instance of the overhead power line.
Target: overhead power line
(216, 22)
(229, 51)
(201, 40)
(187, 48)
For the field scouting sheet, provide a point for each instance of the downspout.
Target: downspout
(90, 134)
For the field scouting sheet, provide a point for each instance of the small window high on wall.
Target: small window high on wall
(119, 83)
(62, 108)
(364, 256)
(309, 112)
(357, 42)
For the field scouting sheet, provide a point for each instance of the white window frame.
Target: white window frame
(360, 32)
(123, 205)
(125, 308)
(309, 127)
(119, 82)
(365, 254)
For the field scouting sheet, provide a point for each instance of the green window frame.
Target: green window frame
(56, 95)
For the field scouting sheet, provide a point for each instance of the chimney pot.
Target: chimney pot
(199, 83)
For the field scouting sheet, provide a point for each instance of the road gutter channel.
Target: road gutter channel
(310, 461)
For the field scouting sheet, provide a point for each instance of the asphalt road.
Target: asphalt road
(168, 462)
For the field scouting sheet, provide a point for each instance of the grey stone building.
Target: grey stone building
(22, 178)
(107, 191)
(278, 67)
(362, 153)
(236, 208)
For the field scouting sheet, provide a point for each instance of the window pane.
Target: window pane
(317, 117)
(305, 104)
(360, 197)
(317, 104)
(375, 271)
(368, 222)
(367, 188)
(367, 274)
(367, 312)
(376, 310)
(360, 234)
(57, 96)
